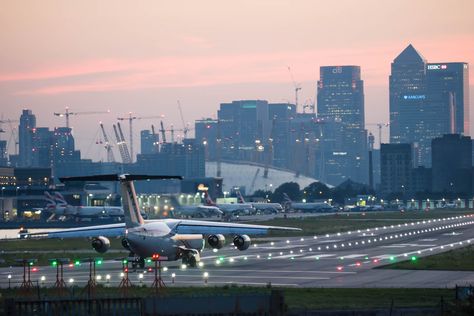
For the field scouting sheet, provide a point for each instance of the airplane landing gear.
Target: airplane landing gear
(191, 258)
(138, 262)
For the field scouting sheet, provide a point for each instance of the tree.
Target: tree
(292, 189)
(317, 191)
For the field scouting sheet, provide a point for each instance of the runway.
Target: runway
(335, 260)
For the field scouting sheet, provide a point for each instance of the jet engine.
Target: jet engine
(216, 241)
(101, 244)
(242, 242)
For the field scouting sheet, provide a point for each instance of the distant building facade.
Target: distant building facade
(396, 165)
(452, 164)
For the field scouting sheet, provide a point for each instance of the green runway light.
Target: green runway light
(54, 263)
(221, 259)
(366, 258)
(148, 260)
(392, 258)
(31, 263)
(317, 258)
(125, 261)
(99, 261)
(77, 262)
(413, 258)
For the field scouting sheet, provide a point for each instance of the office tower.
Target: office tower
(448, 89)
(452, 164)
(395, 168)
(27, 123)
(243, 126)
(341, 99)
(149, 142)
(427, 100)
(281, 116)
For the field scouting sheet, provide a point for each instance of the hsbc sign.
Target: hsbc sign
(437, 67)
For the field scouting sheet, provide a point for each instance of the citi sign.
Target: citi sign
(437, 67)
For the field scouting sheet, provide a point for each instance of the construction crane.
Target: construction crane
(123, 149)
(218, 149)
(185, 126)
(67, 113)
(379, 126)
(297, 88)
(156, 139)
(107, 145)
(163, 134)
(130, 120)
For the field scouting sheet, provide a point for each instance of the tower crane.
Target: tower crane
(297, 88)
(156, 138)
(108, 145)
(163, 134)
(130, 120)
(185, 126)
(67, 113)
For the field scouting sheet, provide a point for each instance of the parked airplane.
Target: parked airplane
(58, 206)
(307, 207)
(231, 209)
(195, 210)
(263, 207)
(166, 239)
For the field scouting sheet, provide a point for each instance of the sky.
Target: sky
(144, 56)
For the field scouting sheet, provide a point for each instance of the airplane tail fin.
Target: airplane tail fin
(209, 201)
(240, 197)
(51, 204)
(60, 199)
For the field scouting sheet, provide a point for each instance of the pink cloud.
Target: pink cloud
(192, 71)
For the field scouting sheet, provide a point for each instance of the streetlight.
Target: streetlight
(9, 280)
(173, 276)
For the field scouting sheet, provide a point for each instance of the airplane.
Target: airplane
(307, 207)
(230, 209)
(195, 210)
(165, 239)
(59, 207)
(263, 207)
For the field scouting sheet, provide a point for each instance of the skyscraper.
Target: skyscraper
(27, 123)
(448, 87)
(341, 98)
(426, 101)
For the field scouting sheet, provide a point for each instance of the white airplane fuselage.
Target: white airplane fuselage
(157, 238)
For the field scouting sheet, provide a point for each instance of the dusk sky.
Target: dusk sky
(143, 56)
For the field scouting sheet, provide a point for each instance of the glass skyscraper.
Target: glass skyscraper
(427, 100)
(341, 99)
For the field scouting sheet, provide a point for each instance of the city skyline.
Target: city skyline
(145, 58)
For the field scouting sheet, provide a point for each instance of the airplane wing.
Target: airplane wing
(111, 230)
(208, 228)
